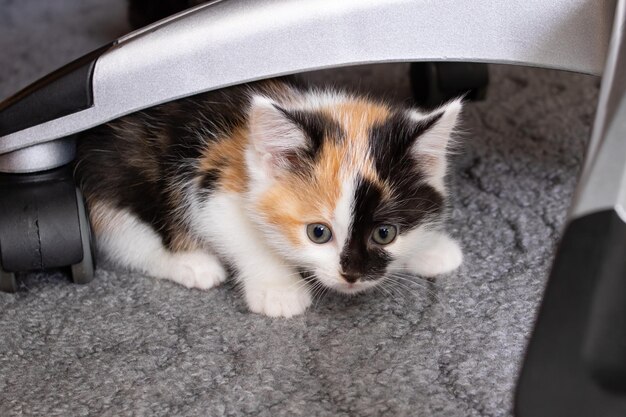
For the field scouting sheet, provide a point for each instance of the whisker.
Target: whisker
(405, 282)
(402, 290)
(421, 285)
(413, 277)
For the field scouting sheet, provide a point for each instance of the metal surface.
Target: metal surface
(235, 41)
(83, 272)
(603, 181)
(41, 157)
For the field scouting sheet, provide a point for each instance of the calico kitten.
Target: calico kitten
(277, 181)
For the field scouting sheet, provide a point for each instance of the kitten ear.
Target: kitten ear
(274, 137)
(431, 146)
(439, 126)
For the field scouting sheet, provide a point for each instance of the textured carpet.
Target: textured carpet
(131, 345)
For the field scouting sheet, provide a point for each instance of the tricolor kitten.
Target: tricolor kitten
(277, 181)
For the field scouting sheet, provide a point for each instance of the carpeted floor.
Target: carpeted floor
(130, 345)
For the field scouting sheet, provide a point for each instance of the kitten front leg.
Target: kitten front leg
(438, 254)
(192, 269)
(274, 289)
(129, 242)
(271, 287)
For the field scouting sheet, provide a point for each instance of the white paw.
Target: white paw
(196, 270)
(279, 302)
(445, 255)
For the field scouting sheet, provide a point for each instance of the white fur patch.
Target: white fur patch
(426, 252)
(343, 216)
(271, 285)
(131, 243)
(316, 99)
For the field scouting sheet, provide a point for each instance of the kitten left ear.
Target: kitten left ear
(431, 144)
(439, 126)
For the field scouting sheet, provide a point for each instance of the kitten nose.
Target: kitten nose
(350, 278)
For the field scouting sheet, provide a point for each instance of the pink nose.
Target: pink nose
(350, 278)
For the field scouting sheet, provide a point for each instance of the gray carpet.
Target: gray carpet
(130, 345)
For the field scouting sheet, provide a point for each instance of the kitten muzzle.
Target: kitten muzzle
(350, 278)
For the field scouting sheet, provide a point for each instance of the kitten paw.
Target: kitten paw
(279, 302)
(197, 270)
(445, 255)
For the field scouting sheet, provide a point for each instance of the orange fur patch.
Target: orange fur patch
(298, 200)
(227, 157)
(357, 117)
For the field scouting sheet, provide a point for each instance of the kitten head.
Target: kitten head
(345, 188)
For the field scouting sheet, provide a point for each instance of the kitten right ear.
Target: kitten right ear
(275, 138)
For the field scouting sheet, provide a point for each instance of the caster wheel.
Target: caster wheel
(7, 281)
(434, 83)
(43, 224)
(83, 272)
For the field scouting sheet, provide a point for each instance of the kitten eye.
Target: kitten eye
(384, 234)
(318, 233)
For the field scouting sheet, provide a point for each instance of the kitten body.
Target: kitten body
(278, 181)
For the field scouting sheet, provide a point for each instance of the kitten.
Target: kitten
(277, 181)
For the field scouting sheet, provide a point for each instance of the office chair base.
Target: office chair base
(434, 83)
(83, 272)
(7, 281)
(574, 364)
(43, 225)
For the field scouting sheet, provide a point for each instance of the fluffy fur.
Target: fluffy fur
(238, 175)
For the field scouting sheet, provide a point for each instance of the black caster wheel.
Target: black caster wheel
(7, 281)
(43, 224)
(83, 272)
(434, 83)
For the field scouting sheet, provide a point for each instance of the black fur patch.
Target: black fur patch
(317, 128)
(391, 144)
(413, 199)
(361, 256)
